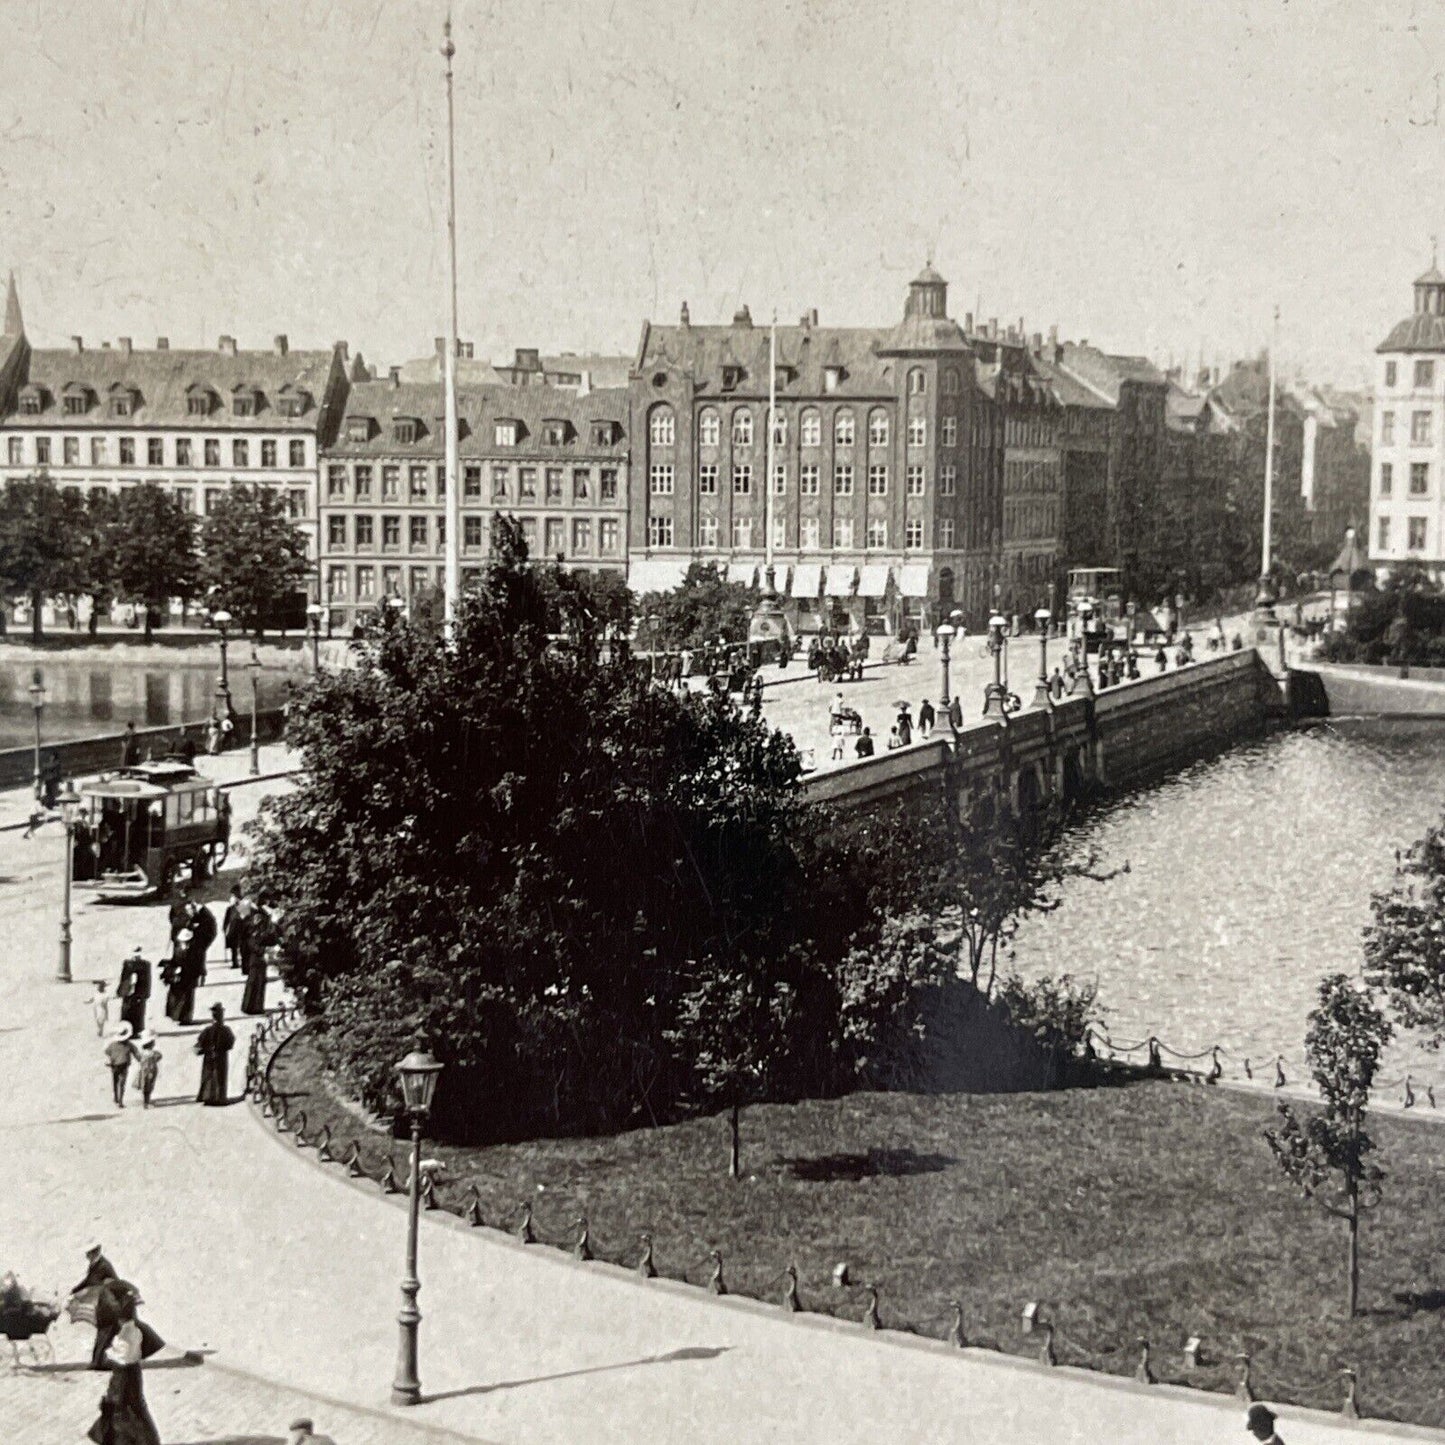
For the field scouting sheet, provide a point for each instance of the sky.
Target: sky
(1151, 176)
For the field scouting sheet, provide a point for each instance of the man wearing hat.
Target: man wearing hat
(213, 1044)
(106, 1294)
(134, 989)
(1260, 1423)
(120, 1054)
(303, 1432)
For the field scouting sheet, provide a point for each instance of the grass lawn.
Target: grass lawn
(1151, 1209)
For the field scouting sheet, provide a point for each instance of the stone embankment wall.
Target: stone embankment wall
(1359, 690)
(1124, 736)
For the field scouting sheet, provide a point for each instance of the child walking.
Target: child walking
(120, 1053)
(100, 1007)
(148, 1067)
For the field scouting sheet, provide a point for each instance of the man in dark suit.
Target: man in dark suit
(110, 1294)
(129, 747)
(134, 989)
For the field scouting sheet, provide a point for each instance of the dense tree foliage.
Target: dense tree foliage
(703, 609)
(254, 559)
(37, 545)
(153, 551)
(1401, 622)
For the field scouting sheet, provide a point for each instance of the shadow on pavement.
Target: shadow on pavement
(84, 1118)
(888, 1163)
(694, 1352)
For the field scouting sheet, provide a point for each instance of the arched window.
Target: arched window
(811, 427)
(950, 380)
(878, 427)
(843, 428)
(917, 382)
(780, 429)
(662, 427)
(742, 427)
(709, 428)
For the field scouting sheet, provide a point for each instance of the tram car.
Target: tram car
(142, 828)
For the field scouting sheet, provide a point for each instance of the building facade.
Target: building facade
(554, 459)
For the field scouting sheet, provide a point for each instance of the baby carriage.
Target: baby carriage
(23, 1319)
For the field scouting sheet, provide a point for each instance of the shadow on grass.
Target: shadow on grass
(1428, 1301)
(888, 1163)
(693, 1352)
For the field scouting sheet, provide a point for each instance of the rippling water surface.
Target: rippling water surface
(1250, 877)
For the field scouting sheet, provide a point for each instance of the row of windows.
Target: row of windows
(297, 499)
(44, 453)
(1424, 374)
(1421, 428)
(505, 484)
(1415, 537)
(662, 428)
(1419, 479)
(360, 531)
(660, 533)
(662, 477)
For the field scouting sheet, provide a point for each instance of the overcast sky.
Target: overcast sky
(1151, 175)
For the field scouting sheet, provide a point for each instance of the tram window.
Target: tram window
(183, 807)
(170, 811)
(202, 802)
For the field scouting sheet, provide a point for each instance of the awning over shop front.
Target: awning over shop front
(655, 574)
(873, 580)
(807, 581)
(913, 579)
(744, 572)
(839, 582)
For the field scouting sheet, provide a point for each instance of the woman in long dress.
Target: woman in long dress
(255, 945)
(124, 1417)
(214, 1043)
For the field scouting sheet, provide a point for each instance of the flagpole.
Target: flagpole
(1269, 454)
(453, 573)
(772, 443)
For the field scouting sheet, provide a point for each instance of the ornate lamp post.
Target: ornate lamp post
(254, 668)
(1042, 697)
(951, 627)
(37, 701)
(221, 621)
(653, 624)
(995, 695)
(69, 802)
(418, 1072)
(313, 631)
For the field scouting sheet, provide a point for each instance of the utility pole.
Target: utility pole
(453, 514)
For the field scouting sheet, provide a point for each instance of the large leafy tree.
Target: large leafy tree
(1405, 938)
(1326, 1154)
(38, 549)
(703, 609)
(93, 521)
(154, 549)
(253, 556)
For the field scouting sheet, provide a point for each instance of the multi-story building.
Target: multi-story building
(579, 371)
(888, 474)
(1407, 514)
(195, 422)
(554, 459)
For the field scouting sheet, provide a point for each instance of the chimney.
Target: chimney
(163, 343)
(584, 388)
(527, 358)
(813, 315)
(105, 346)
(77, 344)
(124, 343)
(227, 346)
(395, 374)
(968, 323)
(282, 345)
(343, 349)
(806, 321)
(684, 317)
(993, 328)
(1022, 332)
(441, 345)
(742, 316)
(1037, 343)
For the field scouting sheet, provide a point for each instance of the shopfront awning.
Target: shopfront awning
(839, 582)
(873, 580)
(744, 572)
(655, 574)
(913, 579)
(807, 581)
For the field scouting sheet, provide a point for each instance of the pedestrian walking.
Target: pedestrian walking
(94, 1299)
(253, 996)
(303, 1433)
(124, 1417)
(134, 989)
(905, 727)
(955, 712)
(1161, 660)
(148, 1068)
(236, 926)
(863, 748)
(100, 1007)
(926, 716)
(1056, 684)
(214, 1043)
(129, 747)
(120, 1054)
(1260, 1423)
(837, 731)
(894, 741)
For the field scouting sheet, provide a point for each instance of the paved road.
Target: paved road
(244, 1247)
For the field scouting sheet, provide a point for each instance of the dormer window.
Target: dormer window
(77, 400)
(832, 376)
(32, 401)
(243, 401)
(731, 377)
(122, 401)
(358, 428)
(198, 400)
(604, 433)
(505, 432)
(405, 429)
(294, 403)
(554, 432)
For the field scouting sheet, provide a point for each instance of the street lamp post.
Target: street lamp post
(418, 1072)
(37, 701)
(1042, 696)
(69, 804)
(652, 627)
(313, 630)
(951, 627)
(222, 622)
(995, 695)
(254, 667)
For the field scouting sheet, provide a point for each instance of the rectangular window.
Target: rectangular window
(297, 504)
(582, 537)
(1387, 478)
(1424, 374)
(529, 534)
(362, 478)
(335, 483)
(877, 534)
(608, 476)
(187, 498)
(1417, 534)
(213, 452)
(504, 434)
(608, 536)
(439, 476)
(155, 452)
(1420, 428)
(1419, 478)
(742, 479)
(945, 532)
(98, 452)
(336, 583)
(950, 431)
(390, 483)
(298, 454)
(417, 533)
(878, 481)
(808, 479)
(554, 485)
(878, 429)
(527, 483)
(659, 480)
(582, 484)
(917, 431)
(1390, 373)
(336, 534)
(127, 451)
(707, 479)
(213, 499)
(659, 531)
(365, 531)
(268, 453)
(183, 452)
(416, 483)
(842, 480)
(16, 450)
(742, 533)
(499, 483)
(240, 454)
(811, 431)
(366, 584)
(555, 541)
(391, 534)
(780, 479)
(780, 532)
(808, 534)
(472, 533)
(391, 581)
(70, 451)
(1384, 534)
(843, 533)
(1387, 428)
(472, 482)
(913, 535)
(947, 480)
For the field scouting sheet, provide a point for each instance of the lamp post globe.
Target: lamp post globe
(1042, 618)
(417, 1074)
(995, 694)
(69, 801)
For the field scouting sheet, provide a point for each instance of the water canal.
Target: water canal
(1250, 877)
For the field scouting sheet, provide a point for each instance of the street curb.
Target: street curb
(973, 1355)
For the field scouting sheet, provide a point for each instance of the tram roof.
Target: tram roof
(148, 780)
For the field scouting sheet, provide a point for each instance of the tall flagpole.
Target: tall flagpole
(772, 443)
(1269, 454)
(453, 587)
